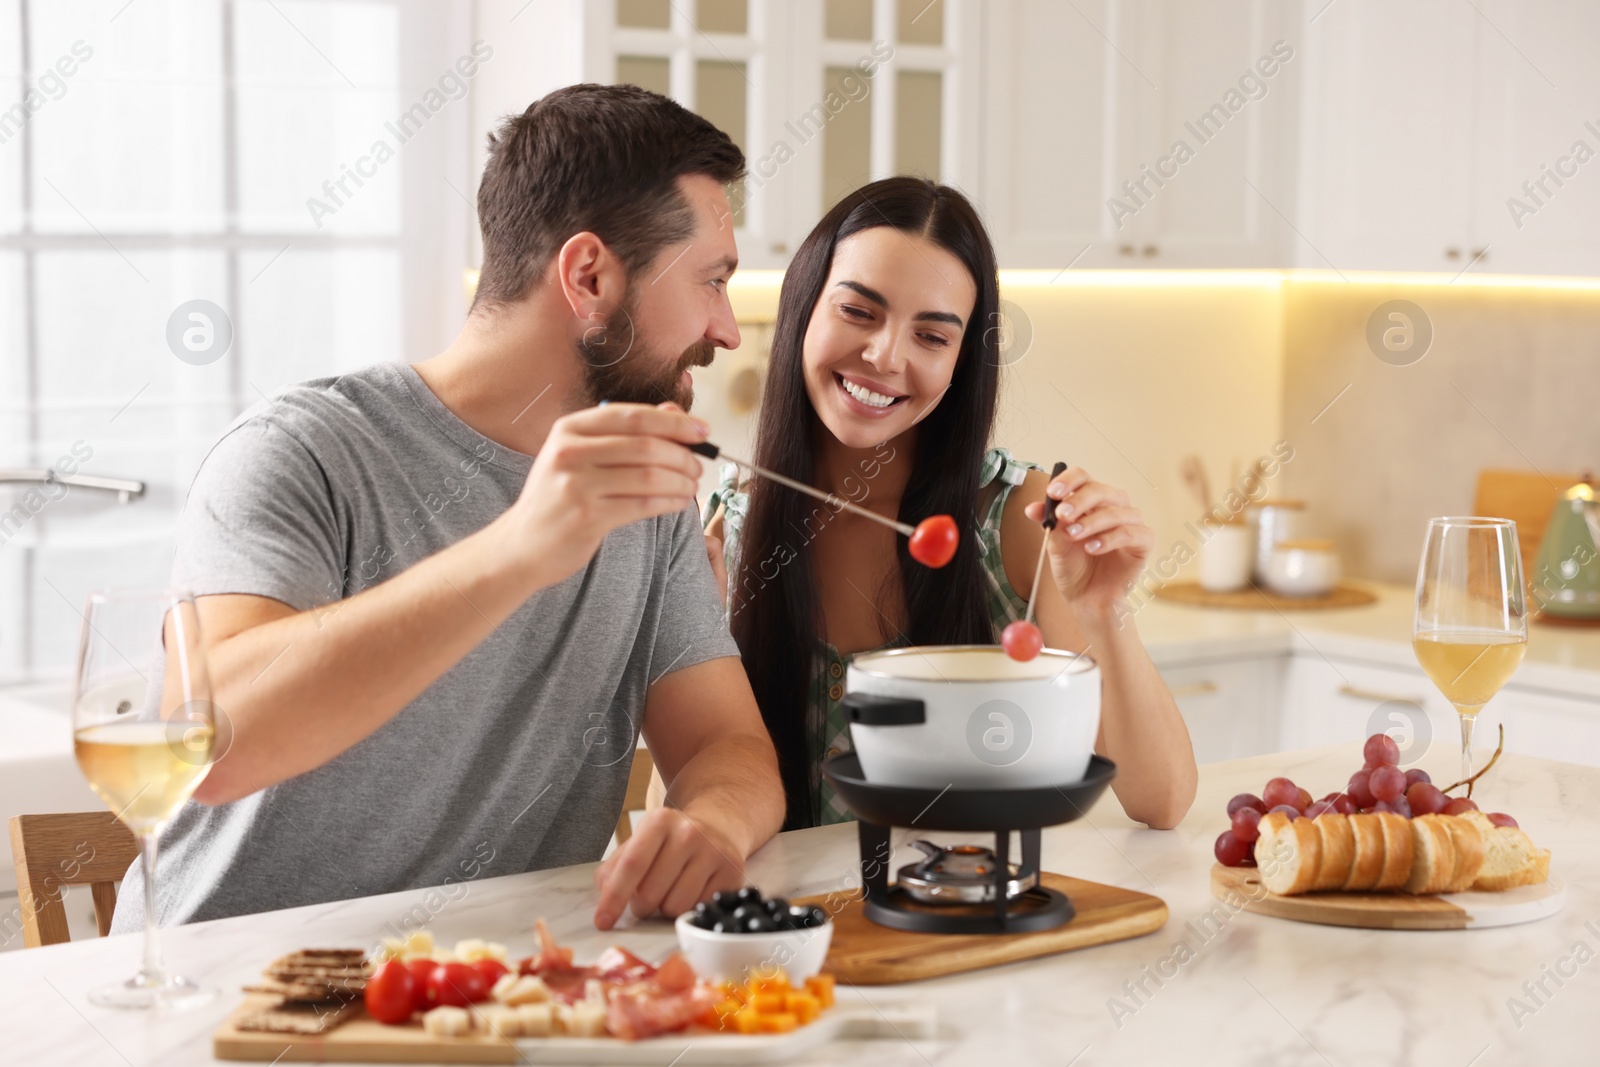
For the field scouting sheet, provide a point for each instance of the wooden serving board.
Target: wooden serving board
(1393, 911)
(864, 953)
(1255, 598)
(359, 1039)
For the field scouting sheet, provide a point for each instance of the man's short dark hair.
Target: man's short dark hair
(601, 158)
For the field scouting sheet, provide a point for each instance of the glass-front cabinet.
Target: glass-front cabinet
(821, 96)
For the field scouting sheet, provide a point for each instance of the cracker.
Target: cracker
(293, 1017)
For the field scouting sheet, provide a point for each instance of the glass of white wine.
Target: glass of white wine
(143, 731)
(1471, 626)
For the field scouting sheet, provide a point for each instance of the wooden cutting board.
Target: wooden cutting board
(359, 1039)
(1255, 598)
(864, 953)
(1393, 911)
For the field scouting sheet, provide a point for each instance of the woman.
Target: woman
(881, 389)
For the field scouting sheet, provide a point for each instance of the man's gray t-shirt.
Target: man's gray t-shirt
(517, 758)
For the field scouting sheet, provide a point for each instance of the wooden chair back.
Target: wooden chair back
(638, 790)
(52, 851)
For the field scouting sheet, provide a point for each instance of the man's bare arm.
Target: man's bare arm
(724, 796)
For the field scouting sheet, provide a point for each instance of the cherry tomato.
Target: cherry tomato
(455, 985)
(391, 994)
(420, 968)
(933, 543)
(492, 970)
(1022, 640)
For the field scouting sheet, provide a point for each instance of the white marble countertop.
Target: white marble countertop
(1561, 659)
(1257, 990)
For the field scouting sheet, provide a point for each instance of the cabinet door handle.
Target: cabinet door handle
(1382, 698)
(1194, 689)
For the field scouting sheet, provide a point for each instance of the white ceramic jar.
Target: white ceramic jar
(1272, 521)
(1303, 568)
(1227, 556)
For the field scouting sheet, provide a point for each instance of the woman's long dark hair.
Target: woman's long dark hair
(776, 613)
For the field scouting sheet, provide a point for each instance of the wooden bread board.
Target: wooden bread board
(863, 953)
(1255, 598)
(1393, 911)
(360, 1039)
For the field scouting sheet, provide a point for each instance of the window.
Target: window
(202, 150)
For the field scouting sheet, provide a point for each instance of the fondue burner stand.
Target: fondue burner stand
(1015, 903)
(1024, 911)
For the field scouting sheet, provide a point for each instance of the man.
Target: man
(439, 602)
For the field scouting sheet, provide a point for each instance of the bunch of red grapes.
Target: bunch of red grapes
(1380, 785)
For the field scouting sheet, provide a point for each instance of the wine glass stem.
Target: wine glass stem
(1468, 721)
(151, 972)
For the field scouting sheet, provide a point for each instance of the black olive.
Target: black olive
(745, 912)
(726, 899)
(818, 916)
(759, 924)
(724, 926)
(749, 895)
(776, 905)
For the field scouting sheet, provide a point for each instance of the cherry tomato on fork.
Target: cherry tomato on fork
(1022, 640)
(934, 541)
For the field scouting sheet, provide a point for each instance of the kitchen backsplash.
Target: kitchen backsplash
(1384, 443)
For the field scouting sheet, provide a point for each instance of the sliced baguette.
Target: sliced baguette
(1367, 834)
(1470, 845)
(1433, 861)
(1510, 856)
(1338, 850)
(1288, 854)
(1399, 849)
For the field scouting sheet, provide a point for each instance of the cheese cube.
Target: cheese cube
(517, 990)
(445, 1021)
(537, 1020)
(499, 1019)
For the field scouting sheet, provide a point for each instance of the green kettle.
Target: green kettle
(1566, 577)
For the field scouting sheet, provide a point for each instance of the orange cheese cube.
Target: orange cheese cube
(778, 1023)
(802, 1006)
(770, 982)
(724, 1013)
(744, 1021)
(767, 1003)
(821, 987)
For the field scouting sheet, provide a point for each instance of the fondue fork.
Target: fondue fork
(711, 451)
(1049, 524)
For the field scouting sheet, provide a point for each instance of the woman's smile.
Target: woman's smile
(866, 397)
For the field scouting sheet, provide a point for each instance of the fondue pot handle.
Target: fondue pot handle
(871, 709)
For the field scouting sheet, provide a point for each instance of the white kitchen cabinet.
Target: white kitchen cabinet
(1536, 191)
(1343, 701)
(1442, 136)
(1230, 705)
(1138, 134)
(822, 97)
(1550, 725)
(1387, 129)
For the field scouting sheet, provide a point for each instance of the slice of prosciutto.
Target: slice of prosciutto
(642, 999)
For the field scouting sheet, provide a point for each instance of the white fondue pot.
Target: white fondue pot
(971, 717)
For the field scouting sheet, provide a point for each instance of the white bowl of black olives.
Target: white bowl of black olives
(737, 934)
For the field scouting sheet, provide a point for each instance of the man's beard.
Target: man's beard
(617, 367)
